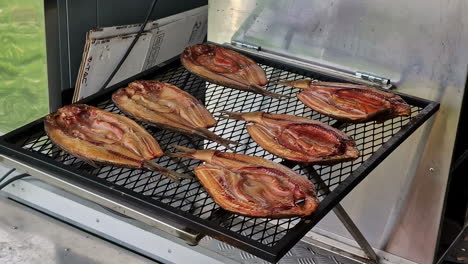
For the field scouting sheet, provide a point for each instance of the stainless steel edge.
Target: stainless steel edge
(115, 204)
(308, 66)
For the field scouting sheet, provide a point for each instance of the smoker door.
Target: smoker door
(68, 21)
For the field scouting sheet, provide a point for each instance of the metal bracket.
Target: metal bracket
(458, 250)
(340, 212)
(345, 219)
(372, 78)
(246, 45)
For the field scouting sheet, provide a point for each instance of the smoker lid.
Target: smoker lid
(314, 34)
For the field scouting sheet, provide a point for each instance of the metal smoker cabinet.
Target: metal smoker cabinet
(329, 38)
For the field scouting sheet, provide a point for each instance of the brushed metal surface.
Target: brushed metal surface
(117, 204)
(119, 229)
(86, 215)
(130, 233)
(421, 46)
(27, 236)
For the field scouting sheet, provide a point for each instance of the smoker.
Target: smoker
(384, 207)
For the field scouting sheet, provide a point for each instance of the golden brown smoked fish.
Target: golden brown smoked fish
(350, 102)
(298, 138)
(99, 137)
(252, 186)
(166, 106)
(226, 67)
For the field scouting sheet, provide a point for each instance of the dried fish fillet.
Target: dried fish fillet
(166, 106)
(99, 137)
(226, 67)
(298, 138)
(350, 102)
(252, 186)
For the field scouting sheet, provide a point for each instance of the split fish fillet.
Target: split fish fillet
(166, 106)
(100, 137)
(252, 186)
(226, 67)
(298, 138)
(350, 102)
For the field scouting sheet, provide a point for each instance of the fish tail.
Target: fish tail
(231, 115)
(261, 90)
(213, 137)
(173, 175)
(184, 152)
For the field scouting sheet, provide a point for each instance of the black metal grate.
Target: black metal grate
(190, 198)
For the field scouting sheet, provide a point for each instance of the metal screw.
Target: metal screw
(15, 227)
(67, 249)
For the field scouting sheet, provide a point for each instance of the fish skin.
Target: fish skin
(286, 137)
(350, 102)
(252, 186)
(227, 68)
(166, 106)
(79, 130)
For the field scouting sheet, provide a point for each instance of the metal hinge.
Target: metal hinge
(372, 78)
(246, 45)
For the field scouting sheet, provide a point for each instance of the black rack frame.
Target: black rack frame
(14, 145)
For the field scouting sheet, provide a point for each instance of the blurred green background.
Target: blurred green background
(23, 73)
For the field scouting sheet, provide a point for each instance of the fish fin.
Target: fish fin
(205, 133)
(179, 161)
(173, 175)
(91, 163)
(261, 90)
(231, 115)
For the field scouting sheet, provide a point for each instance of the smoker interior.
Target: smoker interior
(188, 203)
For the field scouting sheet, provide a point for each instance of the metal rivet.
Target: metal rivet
(463, 249)
(15, 227)
(67, 249)
(431, 169)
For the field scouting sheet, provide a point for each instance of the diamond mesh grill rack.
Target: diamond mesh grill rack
(188, 204)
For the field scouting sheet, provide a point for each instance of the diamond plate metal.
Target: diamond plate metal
(301, 253)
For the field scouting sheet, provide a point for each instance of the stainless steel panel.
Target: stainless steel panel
(133, 234)
(118, 204)
(422, 47)
(119, 229)
(27, 236)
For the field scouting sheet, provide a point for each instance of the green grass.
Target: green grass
(23, 75)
